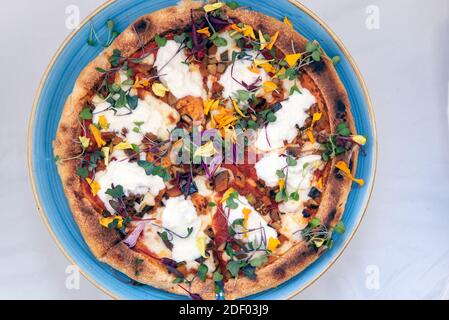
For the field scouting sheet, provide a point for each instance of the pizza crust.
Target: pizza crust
(105, 244)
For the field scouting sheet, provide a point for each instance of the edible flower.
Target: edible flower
(273, 243)
(315, 118)
(254, 69)
(213, 6)
(105, 151)
(159, 89)
(292, 59)
(94, 186)
(204, 31)
(343, 167)
(281, 183)
(359, 139)
(288, 22)
(201, 246)
(263, 42)
(84, 142)
(97, 136)
(269, 86)
(272, 41)
(225, 118)
(141, 83)
(123, 146)
(227, 194)
(105, 222)
(237, 109)
(210, 104)
(247, 30)
(206, 150)
(103, 122)
(246, 212)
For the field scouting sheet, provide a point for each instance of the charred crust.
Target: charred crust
(279, 272)
(142, 26)
(337, 174)
(318, 66)
(330, 217)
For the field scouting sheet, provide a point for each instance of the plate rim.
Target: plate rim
(71, 35)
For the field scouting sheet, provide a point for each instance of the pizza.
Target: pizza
(210, 149)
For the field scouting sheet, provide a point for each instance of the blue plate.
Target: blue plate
(58, 82)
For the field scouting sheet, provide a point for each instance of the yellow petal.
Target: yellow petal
(237, 109)
(309, 134)
(105, 151)
(103, 122)
(262, 40)
(209, 105)
(204, 31)
(254, 69)
(292, 59)
(201, 246)
(94, 186)
(273, 243)
(105, 222)
(259, 62)
(249, 31)
(141, 83)
(359, 139)
(281, 72)
(206, 150)
(288, 22)
(316, 117)
(281, 183)
(236, 28)
(97, 136)
(268, 68)
(343, 167)
(273, 40)
(123, 146)
(269, 86)
(227, 194)
(84, 142)
(213, 6)
(319, 184)
(159, 89)
(246, 212)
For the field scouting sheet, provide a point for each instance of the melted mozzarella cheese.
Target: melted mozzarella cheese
(241, 73)
(298, 180)
(178, 216)
(181, 79)
(201, 184)
(131, 177)
(255, 222)
(156, 117)
(291, 225)
(292, 114)
(230, 47)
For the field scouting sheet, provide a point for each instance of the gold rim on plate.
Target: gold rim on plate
(107, 4)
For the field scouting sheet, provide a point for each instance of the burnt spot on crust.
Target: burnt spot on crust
(338, 174)
(78, 195)
(330, 217)
(340, 110)
(318, 66)
(142, 26)
(300, 257)
(71, 181)
(279, 272)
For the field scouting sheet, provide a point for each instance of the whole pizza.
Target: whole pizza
(209, 150)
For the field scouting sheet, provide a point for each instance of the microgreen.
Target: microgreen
(161, 41)
(340, 227)
(115, 192)
(82, 172)
(259, 261)
(202, 272)
(86, 114)
(233, 5)
(152, 169)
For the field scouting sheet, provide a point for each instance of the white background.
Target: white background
(404, 237)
